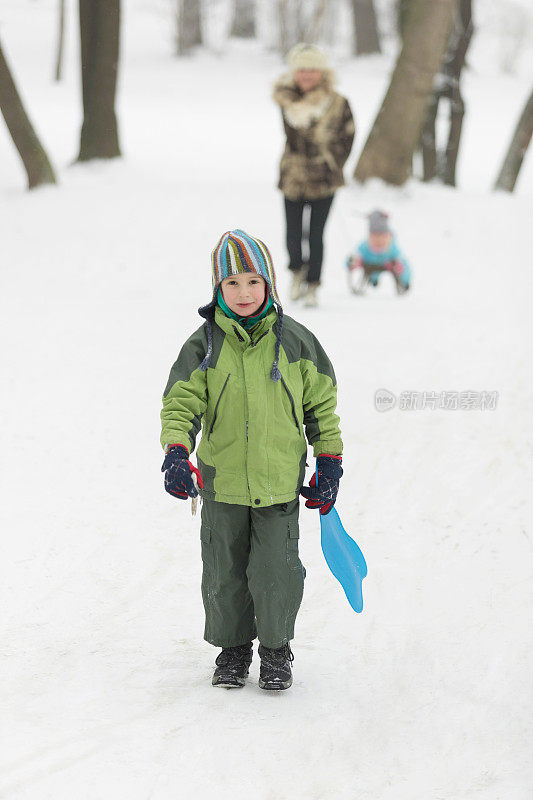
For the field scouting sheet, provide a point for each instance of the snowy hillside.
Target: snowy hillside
(105, 689)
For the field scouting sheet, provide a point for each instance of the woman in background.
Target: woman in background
(320, 129)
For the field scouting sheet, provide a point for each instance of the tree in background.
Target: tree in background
(299, 22)
(100, 33)
(243, 24)
(389, 149)
(286, 36)
(447, 87)
(517, 149)
(402, 10)
(366, 37)
(329, 28)
(32, 153)
(189, 26)
(60, 41)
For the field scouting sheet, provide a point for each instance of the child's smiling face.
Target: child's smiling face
(244, 293)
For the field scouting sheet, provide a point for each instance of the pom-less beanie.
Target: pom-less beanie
(235, 254)
(378, 222)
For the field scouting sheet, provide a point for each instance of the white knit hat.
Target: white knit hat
(307, 56)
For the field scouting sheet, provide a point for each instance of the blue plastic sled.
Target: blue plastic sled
(343, 557)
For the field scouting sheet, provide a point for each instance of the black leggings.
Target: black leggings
(294, 214)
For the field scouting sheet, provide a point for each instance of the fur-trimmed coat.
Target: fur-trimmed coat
(320, 129)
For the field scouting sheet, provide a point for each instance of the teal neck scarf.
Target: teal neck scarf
(246, 322)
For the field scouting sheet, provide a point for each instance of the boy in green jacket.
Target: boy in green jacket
(253, 380)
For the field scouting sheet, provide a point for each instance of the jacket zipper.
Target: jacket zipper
(253, 344)
(216, 408)
(292, 403)
(257, 342)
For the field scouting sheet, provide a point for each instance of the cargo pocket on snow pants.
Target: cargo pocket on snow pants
(295, 578)
(208, 573)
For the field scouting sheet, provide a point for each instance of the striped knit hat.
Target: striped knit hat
(236, 253)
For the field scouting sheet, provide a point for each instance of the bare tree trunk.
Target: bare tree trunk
(243, 24)
(402, 12)
(284, 35)
(428, 141)
(447, 86)
(60, 41)
(517, 149)
(317, 21)
(366, 37)
(389, 149)
(99, 30)
(189, 26)
(298, 24)
(330, 22)
(457, 112)
(36, 163)
(442, 165)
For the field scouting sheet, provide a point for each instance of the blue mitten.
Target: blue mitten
(324, 494)
(178, 473)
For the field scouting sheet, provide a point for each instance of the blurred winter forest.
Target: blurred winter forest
(417, 129)
(148, 128)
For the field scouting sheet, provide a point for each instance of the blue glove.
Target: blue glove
(324, 495)
(178, 473)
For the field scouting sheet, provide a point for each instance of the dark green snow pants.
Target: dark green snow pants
(253, 579)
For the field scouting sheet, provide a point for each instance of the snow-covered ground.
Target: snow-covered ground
(105, 688)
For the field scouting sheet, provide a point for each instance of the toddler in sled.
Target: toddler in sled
(378, 253)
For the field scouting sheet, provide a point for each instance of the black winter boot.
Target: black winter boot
(232, 666)
(275, 672)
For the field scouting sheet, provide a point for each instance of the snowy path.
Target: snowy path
(105, 678)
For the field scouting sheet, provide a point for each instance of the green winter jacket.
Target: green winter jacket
(253, 449)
